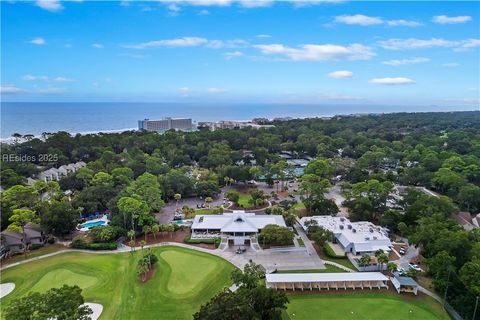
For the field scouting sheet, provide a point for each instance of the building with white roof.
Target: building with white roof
(239, 227)
(361, 237)
(326, 281)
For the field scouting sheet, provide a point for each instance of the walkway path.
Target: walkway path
(308, 245)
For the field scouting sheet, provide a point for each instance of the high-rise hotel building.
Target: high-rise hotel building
(165, 124)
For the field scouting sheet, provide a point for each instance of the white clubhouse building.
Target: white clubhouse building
(238, 227)
(358, 238)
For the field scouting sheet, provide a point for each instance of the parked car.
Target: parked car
(402, 251)
(400, 270)
(240, 250)
(415, 267)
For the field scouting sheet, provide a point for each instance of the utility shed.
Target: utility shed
(404, 284)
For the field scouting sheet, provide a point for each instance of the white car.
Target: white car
(400, 270)
(415, 267)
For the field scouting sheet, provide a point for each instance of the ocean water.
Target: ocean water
(36, 118)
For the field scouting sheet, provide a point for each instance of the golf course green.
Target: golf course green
(362, 306)
(183, 280)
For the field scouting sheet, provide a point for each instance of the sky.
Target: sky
(330, 51)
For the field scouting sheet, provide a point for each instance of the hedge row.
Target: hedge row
(330, 253)
(215, 241)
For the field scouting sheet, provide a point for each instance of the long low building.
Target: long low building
(359, 238)
(326, 281)
(239, 227)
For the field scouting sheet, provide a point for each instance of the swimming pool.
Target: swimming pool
(89, 225)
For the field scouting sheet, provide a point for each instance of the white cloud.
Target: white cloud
(216, 90)
(315, 52)
(359, 19)
(451, 64)
(204, 12)
(403, 62)
(179, 42)
(49, 5)
(451, 20)
(190, 42)
(413, 43)
(97, 45)
(63, 79)
(29, 77)
(233, 54)
(263, 36)
(173, 9)
(255, 3)
(52, 90)
(9, 88)
(392, 81)
(403, 23)
(466, 45)
(184, 90)
(125, 3)
(342, 74)
(38, 41)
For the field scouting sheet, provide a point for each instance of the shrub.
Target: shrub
(215, 241)
(51, 240)
(78, 243)
(35, 246)
(105, 234)
(101, 246)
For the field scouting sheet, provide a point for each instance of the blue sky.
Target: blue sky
(399, 53)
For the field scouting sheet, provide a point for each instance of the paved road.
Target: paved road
(167, 213)
(404, 260)
(308, 244)
(335, 193)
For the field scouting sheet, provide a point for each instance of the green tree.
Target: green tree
(19, 219)
(57, 303)
(147, 188)
(233, 196)
(59, 218)
(136, 210)
(470, 275)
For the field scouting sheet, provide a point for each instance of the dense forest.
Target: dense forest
(140, 171)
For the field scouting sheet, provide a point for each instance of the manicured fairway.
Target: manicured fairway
(183, 280)
(362, 306)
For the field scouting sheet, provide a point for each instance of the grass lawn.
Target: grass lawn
(362, 306)
(299, 205)
(35, 253)
(183, 280)
(300, 242)
(244, 199)
(205, 211)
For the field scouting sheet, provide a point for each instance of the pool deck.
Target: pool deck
(103, 219)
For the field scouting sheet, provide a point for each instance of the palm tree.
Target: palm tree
(392, 267)
(171, 229)
(131, 234)
(365, 261)
(226, 180)
(177, 197)
(382, 259)
(155, 229)
(378, 254)
(208, 201)
(142, 243)
(142, 268)
(146, 230)
(131, 243)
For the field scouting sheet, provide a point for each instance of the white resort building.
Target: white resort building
(237, 228)
(358, 238)
(326, 281)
